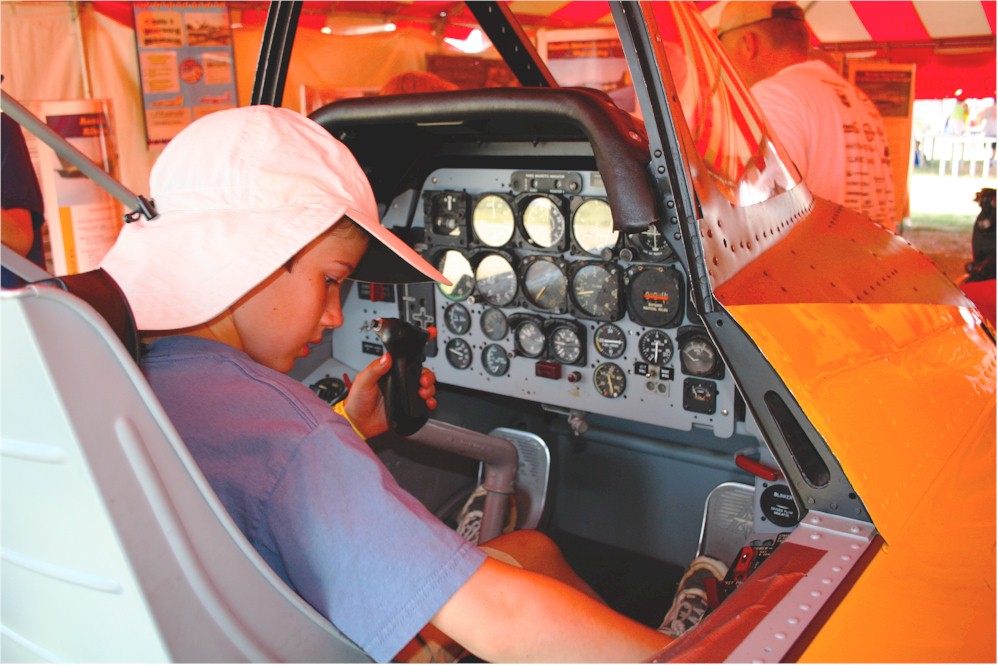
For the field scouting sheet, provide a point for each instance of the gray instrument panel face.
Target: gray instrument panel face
(550, 304)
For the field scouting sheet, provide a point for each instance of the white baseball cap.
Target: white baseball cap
(239, 192)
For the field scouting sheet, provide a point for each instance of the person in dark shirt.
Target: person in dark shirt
(20, 199)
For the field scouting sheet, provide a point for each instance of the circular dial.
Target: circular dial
(493, 220)
(698, 356)
(458, 353)
(654, 297)
(596, 290)
(495, 360)
(544, 222)
(610, 341)
(592, 227)
(457, 318)
(655, 347)
(545, 284)
(448, 215)
(652, 245)
(496, 280)
(455, 266)
(609, 380)
(529, 338)
(566, 345)
(494, 324)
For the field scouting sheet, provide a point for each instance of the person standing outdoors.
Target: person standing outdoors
(831, 130)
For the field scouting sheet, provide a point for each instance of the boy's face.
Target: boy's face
(280, 317)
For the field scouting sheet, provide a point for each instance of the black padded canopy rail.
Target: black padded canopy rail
(618, 141)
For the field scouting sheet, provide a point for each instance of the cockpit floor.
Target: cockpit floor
(635, 585)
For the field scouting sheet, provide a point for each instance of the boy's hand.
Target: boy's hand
(365, 405)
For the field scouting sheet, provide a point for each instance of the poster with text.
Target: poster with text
(589, 58)
(83, 219)
(185, 63)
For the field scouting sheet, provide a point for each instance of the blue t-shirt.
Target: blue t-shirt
(309, 494)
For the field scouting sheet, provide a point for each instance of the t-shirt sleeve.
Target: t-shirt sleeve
(18, 185)
(358, 548)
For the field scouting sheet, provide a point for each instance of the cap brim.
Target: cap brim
(390, 260)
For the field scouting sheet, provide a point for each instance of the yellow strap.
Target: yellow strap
(340, 409)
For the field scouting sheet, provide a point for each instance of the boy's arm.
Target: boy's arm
(506, 614)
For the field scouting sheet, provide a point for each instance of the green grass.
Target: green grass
(942, 221)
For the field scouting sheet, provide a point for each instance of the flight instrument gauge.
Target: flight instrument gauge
(592, 227)
(529, 338)
(495, 360)
(458, 353)
(609, 380)
(456, 267)
(545, 284)
(655, 347)
(654, 296)
(447, 214)
(698, 357)
(493, 220)
(494, 323)
(566, 344)
(496, 280)
(544, 223)
(457, 318)
(596, 290)
(651, 244)
(610, 341)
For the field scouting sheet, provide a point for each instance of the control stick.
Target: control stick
(405, 409)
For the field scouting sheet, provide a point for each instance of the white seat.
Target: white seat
(114, 547)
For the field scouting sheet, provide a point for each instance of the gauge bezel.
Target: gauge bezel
(653, 319)
(519, 321)
(476, 238)
(688, 335)
(505, 356)
(431, 202)
(477, 261)
(458, 342)
(623, 340)
(492, 311)
(655, 332)
(526, 264)
(616, 312)
(523, 202)
(636, 243)
(552, 326)
(438, 258)
(613, 367)
(457, 307)
(577, 248)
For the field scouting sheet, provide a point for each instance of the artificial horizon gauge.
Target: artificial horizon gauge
(496, 280)
(495, 360)
(566, 345)
(493, 220)
(529, 338)
(609, 380)
(456, 267)
(495, 326)
(592, 227)
(545, 284)
(543, 222)
(610, 341)
(655, 347)
(698, 357)
(458, 353)
(654, 296)
(596, 290)
(457, 318)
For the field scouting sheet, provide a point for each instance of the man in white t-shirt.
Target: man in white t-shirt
(831, 129)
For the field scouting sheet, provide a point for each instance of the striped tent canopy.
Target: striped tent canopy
(952, 42)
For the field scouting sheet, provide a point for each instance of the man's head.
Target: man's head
(761, 38)
(239, 193)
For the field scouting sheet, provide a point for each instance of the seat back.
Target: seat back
(114, 547)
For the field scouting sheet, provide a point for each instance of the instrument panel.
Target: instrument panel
(550, 303)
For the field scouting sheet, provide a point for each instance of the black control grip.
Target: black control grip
(406, 343)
